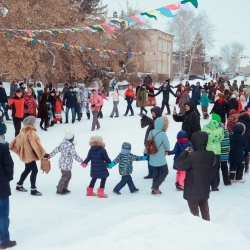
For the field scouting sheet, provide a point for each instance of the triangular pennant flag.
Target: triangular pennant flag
(34, 41)
(149, 15)
(193, 2)
(66, 46)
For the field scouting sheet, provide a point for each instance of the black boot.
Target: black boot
(34, 192)
(88, 115)
(81, 115)
(21, 188)
(246, 164)
(67, 121)
(73, 121)
(52, 124)
(41, 125)
(60, 121)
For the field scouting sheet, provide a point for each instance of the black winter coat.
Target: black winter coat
(232, 104)
(3, 96)
(6, 171)
(70, 99)
(52, 101)
(245, 119)
(190, 120)
(220, 108)
(165, 92)
(97, 155)
(199, 166)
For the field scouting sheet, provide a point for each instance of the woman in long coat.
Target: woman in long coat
(142, 98)
(29, 149)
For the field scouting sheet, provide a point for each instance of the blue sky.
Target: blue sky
(231, 18)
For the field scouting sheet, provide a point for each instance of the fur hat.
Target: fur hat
(29, 120)
(96, 141)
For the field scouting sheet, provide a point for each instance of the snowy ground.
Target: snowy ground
(138, 221)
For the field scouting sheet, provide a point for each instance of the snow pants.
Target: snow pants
(115, 109)
(225, 174)
(95, 120)
(236, 170)
(194, 207)
(17, 124)
(214, 177)
(64, 181)
(127, 179)
(180, 177)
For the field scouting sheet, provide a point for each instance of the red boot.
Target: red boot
(101, 193)
(90, 192)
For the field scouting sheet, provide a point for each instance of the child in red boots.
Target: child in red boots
(99, 160)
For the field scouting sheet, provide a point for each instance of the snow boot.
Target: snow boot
(67, 191)
(101, 193)
(246, 164)
(61, 121)
(52, 124)
(62, 193)
(41, 125)
(157, 191)
(21, 188)
(90, 192)
(88, 115)
(67, 121)
(8, 244)
(34, 192)
(73, 121)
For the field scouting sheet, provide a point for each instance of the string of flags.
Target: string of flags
(176, 56)
(113, 25)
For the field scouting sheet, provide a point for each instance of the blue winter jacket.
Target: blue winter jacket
(97, 155)
(179, 147)
(195, 94)
(161, 141)
(70, 99)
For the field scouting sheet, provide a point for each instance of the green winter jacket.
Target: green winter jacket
(215, 136)
(204, 101)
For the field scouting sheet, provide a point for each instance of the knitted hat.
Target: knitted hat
(68, 134)
(216, 117)
(29, 120)
(29, 91)
(126, 145)
(71, 87)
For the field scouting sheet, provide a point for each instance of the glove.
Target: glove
(112, 164)
(93, 105)
(144, 158)
(47, 156)
(84, 165)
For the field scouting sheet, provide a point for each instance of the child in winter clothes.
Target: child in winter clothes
(99, 158)
(232, 119)
(58, 108)
(238, 144)
(181, 144)
(68, 153)
(78, 109)
(204, 102)
(125, 159)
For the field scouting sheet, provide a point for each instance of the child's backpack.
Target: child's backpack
(150, 145)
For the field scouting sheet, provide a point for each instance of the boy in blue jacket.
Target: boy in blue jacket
(181, 144)
(125, 160)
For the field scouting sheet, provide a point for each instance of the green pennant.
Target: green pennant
(95, 28)
(66, 46)
(193, 2)
(149, 15)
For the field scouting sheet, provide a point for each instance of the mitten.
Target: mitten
(84, 165)
(112, 164)
(144, 158)
(93, 105)
(47, 156)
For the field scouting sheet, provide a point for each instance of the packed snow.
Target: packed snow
(129, 221)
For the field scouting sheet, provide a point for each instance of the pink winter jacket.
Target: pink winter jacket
(115, 95)
(95, 100)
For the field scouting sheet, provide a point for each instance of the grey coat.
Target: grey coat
(13, 88)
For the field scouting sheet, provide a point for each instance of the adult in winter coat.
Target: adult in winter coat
(69, 99)
(198, 164)
(179, 88)
(29, 149)
(58, 108)
(215, 136)
(136, 91)
(190, 119)
(149, 122)
(165, 90)
(184, 98)
(211, 91)
(22, 88)
(158, 160)
(232, 104)
(242, 86)
(17, 106)
(232, 119)
(115, 95)
(52, 101)
(147, 80)
(235, 86)
(151, 101)
(30, 104)
(13, 88)
(95, 102)
(43, 112)
(99, 158)
(129, 97)
(226, 91)
(181, 144)
(244, 118)
(6, 176)
(39, 91)
(242, 103)
(101, 93)
(220, 108)
(3, 99)
(65, 88)
(238, 144)
(142, 98)
(195, 97)
(84, 93)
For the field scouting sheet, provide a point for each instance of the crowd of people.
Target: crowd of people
(199, 152)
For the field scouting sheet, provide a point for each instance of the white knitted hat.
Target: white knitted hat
(68, 134)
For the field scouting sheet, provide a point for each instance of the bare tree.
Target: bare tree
(232, 53)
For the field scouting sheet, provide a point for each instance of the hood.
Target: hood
(96, 92)
(199, 140)
(244, 116)
(157, 110)
(130, 85)
(182, 134)
(233, 111)
(191, 105)
(213, 125)
(239, 128)
(159, 123)
(193, 87)
(66, 85)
